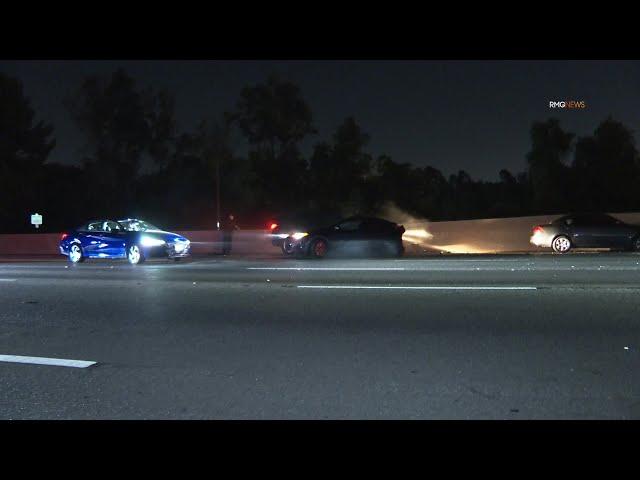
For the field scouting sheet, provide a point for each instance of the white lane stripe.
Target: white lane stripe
(7, 279)
(326, 268)
(366, 287)
(58, 362)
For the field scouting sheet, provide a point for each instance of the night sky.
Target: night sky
(471, 115)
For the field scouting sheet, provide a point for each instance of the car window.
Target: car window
(350, 225)
(375, 225)
(588, 220)
(561, 220)
(95, 227)
(604, 220)
(579, 220)
(137, 225)
(111, 226)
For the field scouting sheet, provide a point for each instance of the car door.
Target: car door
(603, 231)
(585, 231)
(375, 232)
(616, 233)
(92, 238)
(598, 231)
(347, 233)
(112, 240)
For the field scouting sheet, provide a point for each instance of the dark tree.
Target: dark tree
(338, 171)
(606, 170)
(274, 118)
(124, 126)
(24, 147)
(548, 171)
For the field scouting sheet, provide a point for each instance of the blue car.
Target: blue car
(133, 239)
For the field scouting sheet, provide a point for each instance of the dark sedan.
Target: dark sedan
(352, 236)
(133, 239)
(587, 231)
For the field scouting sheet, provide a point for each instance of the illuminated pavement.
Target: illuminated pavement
(509, 336)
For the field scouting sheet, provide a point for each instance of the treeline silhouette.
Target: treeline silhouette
(136, 163)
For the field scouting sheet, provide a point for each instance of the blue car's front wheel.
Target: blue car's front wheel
(75, 253)
(135, 255)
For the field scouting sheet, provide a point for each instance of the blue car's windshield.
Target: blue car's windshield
(137, 225)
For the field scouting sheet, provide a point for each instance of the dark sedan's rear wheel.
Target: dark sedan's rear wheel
(319, 248)
(135, 255)
(561, 244)
(75, 253)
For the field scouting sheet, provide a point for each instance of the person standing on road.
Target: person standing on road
(228, 227)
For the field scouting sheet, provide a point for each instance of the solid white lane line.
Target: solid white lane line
(58, 362)
(328, 268)
(7, 279)
(431, 287)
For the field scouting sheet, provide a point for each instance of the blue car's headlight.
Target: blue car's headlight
(181, 245)
(146, 241)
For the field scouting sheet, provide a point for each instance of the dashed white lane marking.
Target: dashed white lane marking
(7, 279)
(58, 362)
(330, 268)
(430, 287)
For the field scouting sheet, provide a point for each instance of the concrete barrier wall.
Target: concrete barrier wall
(29, 244)
(486, 235)
(494, 235)
(465, 236)
(202, 242)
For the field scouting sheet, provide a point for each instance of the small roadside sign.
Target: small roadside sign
(36, 220)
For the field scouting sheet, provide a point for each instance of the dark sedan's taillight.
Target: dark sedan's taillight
(537, 229)
(64, 235)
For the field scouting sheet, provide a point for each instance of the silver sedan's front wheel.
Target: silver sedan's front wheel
(75, 254)
(561, 244)
(134, 255)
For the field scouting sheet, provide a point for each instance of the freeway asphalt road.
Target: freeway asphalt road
(482, 337)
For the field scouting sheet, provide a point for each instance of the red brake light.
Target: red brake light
(273, 226)
(538, 229)
(64, 235)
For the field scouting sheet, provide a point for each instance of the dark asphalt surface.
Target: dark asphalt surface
(536, 336)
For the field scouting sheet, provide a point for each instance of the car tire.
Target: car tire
(561, 244)
(288, 247)
(398, 250)
(135, 255)
(319, 248)
(76, 255)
